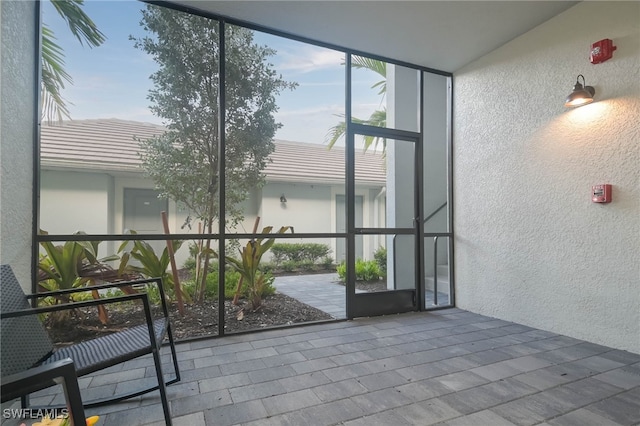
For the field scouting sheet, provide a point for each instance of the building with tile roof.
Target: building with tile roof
(92, 181)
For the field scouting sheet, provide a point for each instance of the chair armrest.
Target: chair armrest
(158, 281)
(44, 376)
(65, 306)
(134, 283)
(144, 297)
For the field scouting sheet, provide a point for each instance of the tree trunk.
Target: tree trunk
(205, 267)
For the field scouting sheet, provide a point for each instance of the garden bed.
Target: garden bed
(199, 320)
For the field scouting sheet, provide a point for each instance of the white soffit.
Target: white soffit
(444, 35)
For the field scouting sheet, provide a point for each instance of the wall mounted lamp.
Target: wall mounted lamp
(283, 199)
(581, 95)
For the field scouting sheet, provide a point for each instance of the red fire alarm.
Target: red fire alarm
(602, 51)
(601, 193)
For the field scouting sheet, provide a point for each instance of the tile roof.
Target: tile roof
(108, 145)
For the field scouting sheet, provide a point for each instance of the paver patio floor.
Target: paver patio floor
(448, 367)
(323, 291)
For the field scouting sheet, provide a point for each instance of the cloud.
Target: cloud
(308, 58)
(319, 110)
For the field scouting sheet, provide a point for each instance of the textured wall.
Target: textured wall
(17, 87)
(530, 245)
(75, 201)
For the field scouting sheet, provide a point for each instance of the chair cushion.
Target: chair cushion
(103, 352)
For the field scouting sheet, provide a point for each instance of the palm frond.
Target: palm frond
(374, 65)
(335, 133)
(54, 77)
(79, 23)
(379, 67)
(377, 118)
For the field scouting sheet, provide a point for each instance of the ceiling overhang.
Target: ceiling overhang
(442, 35)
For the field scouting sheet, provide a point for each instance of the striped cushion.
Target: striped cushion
(112, 349)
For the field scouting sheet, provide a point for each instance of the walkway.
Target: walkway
(323, 291)
(447, 367)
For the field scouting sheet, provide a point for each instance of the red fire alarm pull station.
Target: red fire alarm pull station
(601, 193)
(602, 51)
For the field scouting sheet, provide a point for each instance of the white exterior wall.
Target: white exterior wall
(312, 208)
(531, 247)
(402, 113)
(436, 124)
(93, 203)
(75, 201)
(17, 94)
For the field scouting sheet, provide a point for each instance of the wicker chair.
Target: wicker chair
(25, 343)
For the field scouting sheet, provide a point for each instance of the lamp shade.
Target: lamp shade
(581, 94)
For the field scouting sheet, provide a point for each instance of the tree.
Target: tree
(183, 162)
(54, 75)
(377, 118)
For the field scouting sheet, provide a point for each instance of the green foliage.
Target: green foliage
(151, 265)
(183, 162)
(72, 264)
(327, 262)
(378, 118)
(307, 265)
(60, 265)
(249, 262)
(298, 252)
(366, 270)
(54, 75)
(380, 256)
(190, 264)
(289, 265)
(231, 279)
(191, 287)
(342, 271)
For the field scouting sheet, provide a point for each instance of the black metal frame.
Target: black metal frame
(42, 377)
(392, 301)
(222, 235)
(154, 347)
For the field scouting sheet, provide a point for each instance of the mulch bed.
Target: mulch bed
(199, 320)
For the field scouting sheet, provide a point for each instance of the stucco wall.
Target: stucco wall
(531, 247)
(17, 94)
(74, 201)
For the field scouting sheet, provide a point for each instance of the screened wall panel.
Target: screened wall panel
(283, 101)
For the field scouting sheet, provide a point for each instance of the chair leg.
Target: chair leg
(24, 401)
(72, 395)
(174, 356)
(161, 387)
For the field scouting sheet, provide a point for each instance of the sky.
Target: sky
(112, 80)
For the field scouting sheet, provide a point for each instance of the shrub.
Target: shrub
(380, 257)
(327, 262)
(306, 265)
(342, 271)
(230, 285)
(289, 265)
(298, 252)
(366, 270)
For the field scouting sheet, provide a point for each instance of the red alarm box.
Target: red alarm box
(602, 51)
(601, 193)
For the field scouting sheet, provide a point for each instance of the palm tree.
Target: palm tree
(377, 118)
(54, 75)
